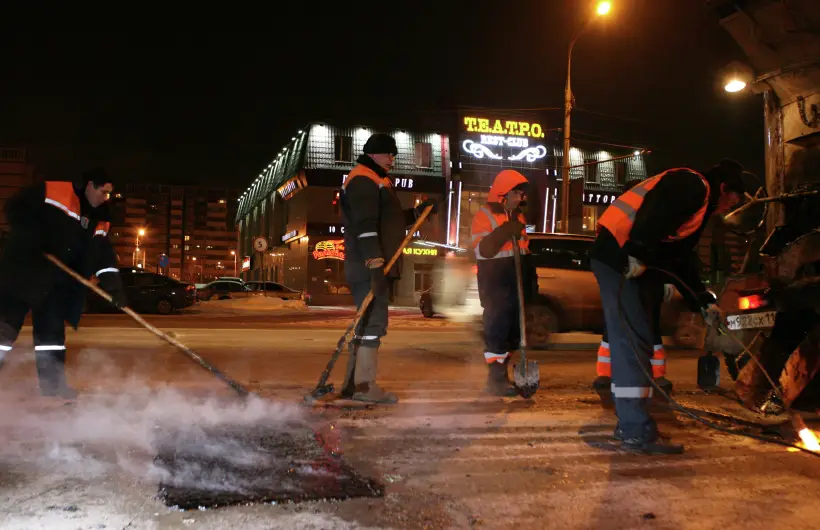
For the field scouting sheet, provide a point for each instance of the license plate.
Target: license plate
(751, 321)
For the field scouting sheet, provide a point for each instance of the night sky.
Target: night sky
(211, 101)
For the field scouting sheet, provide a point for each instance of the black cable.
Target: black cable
(672, 402)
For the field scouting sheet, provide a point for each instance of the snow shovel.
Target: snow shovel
(526, 375)
(239, 389)
(322, 388)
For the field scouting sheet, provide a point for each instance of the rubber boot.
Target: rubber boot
(349, 387)
(602, 384)
(650, 443)
(51, 374)
(364, 377)
(498, 382)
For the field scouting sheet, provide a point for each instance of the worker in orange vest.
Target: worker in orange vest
(603, 367)
(69, 220)
(493, 228)
(657, 223)
(375, 227)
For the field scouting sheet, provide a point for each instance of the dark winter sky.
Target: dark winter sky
(209, 99)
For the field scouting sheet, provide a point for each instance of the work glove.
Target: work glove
(634, 268)
(668, 291)
(111, 282)
(714, 316)
(378, 282)
(424, 204)
(512, 229)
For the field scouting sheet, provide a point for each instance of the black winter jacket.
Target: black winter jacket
(368, 208)
(676, 198)
(37, 228)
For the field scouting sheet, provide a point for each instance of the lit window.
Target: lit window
(343, 148)
(423, 154)
(221, 201)
(187, 238)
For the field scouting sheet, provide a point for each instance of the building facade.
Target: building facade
(487, 144)
(290, 224)
(186, 232)
(16, 173)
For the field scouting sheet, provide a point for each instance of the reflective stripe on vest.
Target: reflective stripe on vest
(102, 229)
(506, 250)
(61, 195)
(619, 217)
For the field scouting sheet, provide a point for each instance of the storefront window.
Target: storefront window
(334, 277)
(471, 201)
(329, 255)
(591, 215)
(423, 273)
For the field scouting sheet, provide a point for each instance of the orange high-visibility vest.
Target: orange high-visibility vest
(620, 216)
(364, 171)
(484, 222)
(61, 195)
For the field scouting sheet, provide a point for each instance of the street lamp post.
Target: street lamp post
(233, 253)
(601, 9)
(140, 234)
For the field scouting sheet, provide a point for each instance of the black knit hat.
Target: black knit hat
(381, 144)
(98, 176)
(728, 172)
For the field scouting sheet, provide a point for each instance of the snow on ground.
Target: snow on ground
(91, 463)
(254, 303)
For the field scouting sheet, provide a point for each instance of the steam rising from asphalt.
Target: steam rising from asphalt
(102, 433)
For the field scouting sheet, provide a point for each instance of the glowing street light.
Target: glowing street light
(737, 76)
(734, 85)
(233, 253)
(603, 8)
(140, 233)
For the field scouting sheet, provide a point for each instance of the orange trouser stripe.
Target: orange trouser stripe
(604, 365)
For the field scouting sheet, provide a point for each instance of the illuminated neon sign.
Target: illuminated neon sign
(530, 154)
(406, 183)
(290, 235)
(411, 251)
(330, 250)
(504, 128)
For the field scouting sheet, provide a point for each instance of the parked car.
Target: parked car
(224, 290)
(568, 297)
(148, 292)
(274, 290)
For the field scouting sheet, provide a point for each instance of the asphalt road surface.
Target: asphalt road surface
(449, 456)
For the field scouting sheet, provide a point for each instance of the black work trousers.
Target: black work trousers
(373, 325)
(49, 336)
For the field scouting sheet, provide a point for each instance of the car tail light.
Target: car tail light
(475, 269)
(190, 288)
(754, 301)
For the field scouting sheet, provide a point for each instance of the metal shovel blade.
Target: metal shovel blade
(528, 380)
